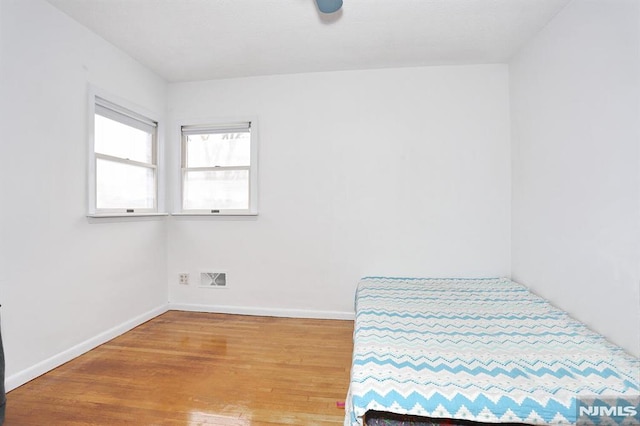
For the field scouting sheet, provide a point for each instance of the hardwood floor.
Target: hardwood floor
(185, 368)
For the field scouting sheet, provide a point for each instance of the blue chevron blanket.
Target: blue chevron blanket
(484, 350)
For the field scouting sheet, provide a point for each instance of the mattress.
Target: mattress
(484, 350)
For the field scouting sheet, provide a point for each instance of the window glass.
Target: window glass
(120, 140)
(218, 149)
(216, 190)
(124, 186)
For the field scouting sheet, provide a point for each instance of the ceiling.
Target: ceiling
(187, 40)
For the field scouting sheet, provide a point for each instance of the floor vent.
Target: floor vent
(213, 279)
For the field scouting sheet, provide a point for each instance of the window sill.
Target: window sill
(116, 215)
(214, 214)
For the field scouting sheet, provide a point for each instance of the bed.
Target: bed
(459, 351)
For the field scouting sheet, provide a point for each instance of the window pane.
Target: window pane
(216, 190)
(119, 140)
(219, 149)
(122, 186)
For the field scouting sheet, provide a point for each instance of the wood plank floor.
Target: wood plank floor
(185, 368)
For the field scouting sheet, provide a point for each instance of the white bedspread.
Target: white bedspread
(476, 349)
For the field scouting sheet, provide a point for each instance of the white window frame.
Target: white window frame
(221, 126)
(132, 115)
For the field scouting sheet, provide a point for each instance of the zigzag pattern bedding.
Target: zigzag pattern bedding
(484, 350)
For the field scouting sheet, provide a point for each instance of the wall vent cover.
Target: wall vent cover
(213, 279)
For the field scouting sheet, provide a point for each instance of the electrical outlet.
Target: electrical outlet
(183, 279)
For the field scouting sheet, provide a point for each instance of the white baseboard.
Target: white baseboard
(49, 364)
(266, 312)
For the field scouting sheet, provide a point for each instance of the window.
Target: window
(124, 172)
(219, 169)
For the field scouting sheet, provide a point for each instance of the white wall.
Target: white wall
(380, 172)
(575, 96)
(63, 280)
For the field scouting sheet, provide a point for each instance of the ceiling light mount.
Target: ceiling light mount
(329, 6)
